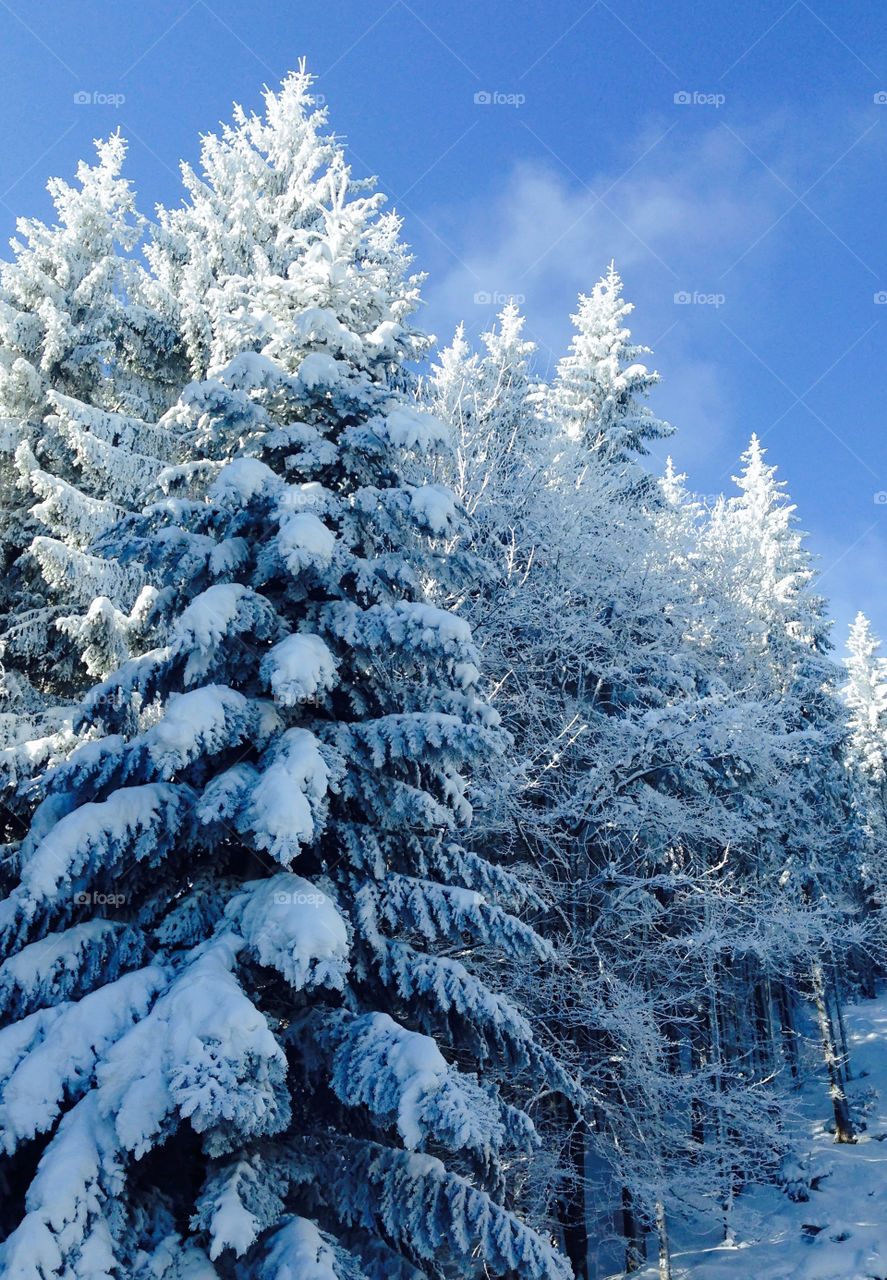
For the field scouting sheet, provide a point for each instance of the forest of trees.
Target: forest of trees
(430, 835)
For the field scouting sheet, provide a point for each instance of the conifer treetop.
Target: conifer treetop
(277, 205)
(598, 384)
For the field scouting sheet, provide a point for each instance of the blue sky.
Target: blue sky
(759, 192)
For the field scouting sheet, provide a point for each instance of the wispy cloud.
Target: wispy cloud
(545, 237)
(702, 199)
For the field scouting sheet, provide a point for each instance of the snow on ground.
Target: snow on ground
(840, 1232)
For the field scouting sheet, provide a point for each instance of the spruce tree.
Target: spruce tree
(865, 695)
(601, 384)
(260, 1056)
(808, 844)
(89, 358)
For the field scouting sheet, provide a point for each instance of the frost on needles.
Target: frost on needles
(274, 1053)
(89, 358)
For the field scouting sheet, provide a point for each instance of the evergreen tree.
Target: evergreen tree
(865, 694)
(598, 384)
(809, 844)
(646, 760)
(573, 620)
(262, 1059)
(88, 360)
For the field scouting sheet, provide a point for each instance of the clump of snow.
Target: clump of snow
(286, 805)
(52, 1054)
(67, 1202)
(432, 505)
(298, 667)
(37, 973)
(418, 1067)
(130, 823)
(223, 610)
(299, 1252)
(201, 721)
(206, 622)
(410, 428)
(204, 1051)
(466, 674)
(250, 371)
(298, 497)
(232, 1225)
(321, 326)
(319, 370)
(243, 479)
(305, 541)
(231, 1209)
(384, 339)
(434, 623)
(293, 927)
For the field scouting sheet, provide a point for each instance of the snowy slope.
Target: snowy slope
(840, 1232)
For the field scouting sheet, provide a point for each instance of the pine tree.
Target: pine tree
(574, 620)
(809, 844)
(265, 1047)
(88, 360)
(865, 695)
(598, 384)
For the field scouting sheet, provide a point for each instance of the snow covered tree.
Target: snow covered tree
(247, 1019)
(501, 472)
(89, 358)
(865, 694)
(809, 844)
(596, 390)
(579, 627)
(642, 789)
(494, 405)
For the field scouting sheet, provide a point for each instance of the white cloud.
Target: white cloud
(678, 219)
(700, 201)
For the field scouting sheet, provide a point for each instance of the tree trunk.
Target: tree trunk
(765, 1043)
(717, 1059)
(662, 1236)
(772, 1032)
(842, 1030)
(572, 1209)
(635, 1236)
(843, 1123)
(789, 1035)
